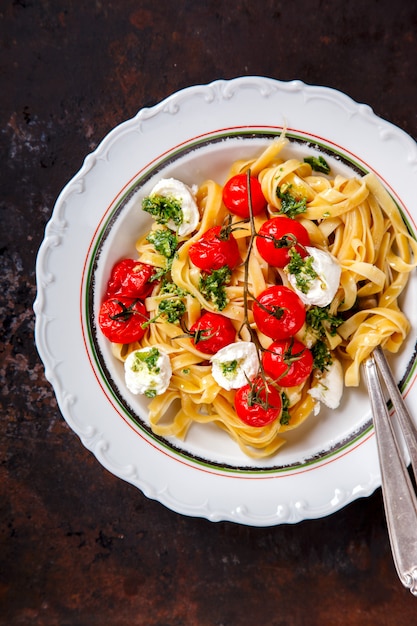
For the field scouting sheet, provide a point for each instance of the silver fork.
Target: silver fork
(400, 500)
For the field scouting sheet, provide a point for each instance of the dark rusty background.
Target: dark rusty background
(79, 546)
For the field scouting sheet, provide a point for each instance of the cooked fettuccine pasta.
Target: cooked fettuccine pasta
(355, 220)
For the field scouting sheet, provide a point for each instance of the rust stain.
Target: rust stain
(141, 18)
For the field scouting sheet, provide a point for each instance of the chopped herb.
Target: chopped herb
(322, 358)
(164, 209)
(285, 415)
(321, 320)
(172, 289)
(302, 269)
(148, 358)
(173, 309)
(150, 393)
(161, 272)
(164, 241)
(186, 370)
(318, 164)
(212, 286)
(229, 368)
(291, 205)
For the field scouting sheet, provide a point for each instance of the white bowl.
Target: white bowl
(193, 135)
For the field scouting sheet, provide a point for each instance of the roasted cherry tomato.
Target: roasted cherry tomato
(212, 251)
(277, 236)
(212, 332)
(121, 319)
(288, 362)
(278, 312)
(130, 278)
(235, 195)
(257, 405)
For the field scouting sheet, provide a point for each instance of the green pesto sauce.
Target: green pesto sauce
(147, 361)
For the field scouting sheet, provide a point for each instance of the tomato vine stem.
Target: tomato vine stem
(254, 396)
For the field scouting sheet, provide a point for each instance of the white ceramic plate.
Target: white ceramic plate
(193, 135)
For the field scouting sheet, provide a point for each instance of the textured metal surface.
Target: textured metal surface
(79, 546)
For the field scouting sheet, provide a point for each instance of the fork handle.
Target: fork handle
(398, 493)
(404, 418)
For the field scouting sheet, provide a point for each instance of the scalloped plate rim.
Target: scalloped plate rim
(293, 509)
